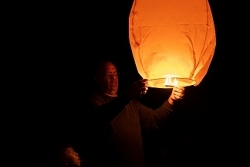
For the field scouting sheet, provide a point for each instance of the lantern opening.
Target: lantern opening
(171, 81)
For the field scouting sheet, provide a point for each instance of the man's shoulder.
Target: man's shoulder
(96, 96)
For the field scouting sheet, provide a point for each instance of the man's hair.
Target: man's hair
(97, 69)
(99, 66)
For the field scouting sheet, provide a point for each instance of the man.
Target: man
(119, 119)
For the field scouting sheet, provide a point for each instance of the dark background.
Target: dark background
(51, 47)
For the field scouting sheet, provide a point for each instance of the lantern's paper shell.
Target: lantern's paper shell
(175, 37)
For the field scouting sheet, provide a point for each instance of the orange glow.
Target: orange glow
(174, 37)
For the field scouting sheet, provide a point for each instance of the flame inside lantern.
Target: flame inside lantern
(170, 81)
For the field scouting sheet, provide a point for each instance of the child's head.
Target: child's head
(60, 155)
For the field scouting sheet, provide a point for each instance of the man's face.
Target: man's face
(72, 158)
(108, 79)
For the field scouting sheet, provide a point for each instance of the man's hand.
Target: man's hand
(137, 89)
(176, 95)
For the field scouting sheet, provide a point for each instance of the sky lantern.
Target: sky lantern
(172, 41)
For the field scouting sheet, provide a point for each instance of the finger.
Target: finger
(179, 92)
(180, 89)
(180, 96)
(140, 83)
(143, 93)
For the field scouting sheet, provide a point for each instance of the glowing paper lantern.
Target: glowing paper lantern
(172, 39)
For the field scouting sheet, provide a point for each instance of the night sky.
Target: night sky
(52, 46)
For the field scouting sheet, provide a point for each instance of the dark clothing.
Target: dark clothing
(118, 129)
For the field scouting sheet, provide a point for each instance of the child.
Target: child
(61, 155)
